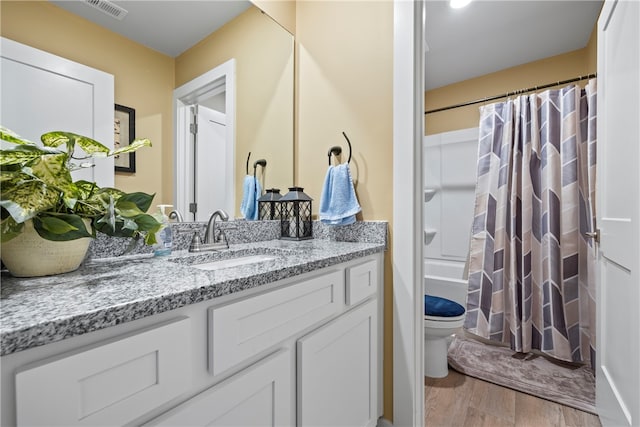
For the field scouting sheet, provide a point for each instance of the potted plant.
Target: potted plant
(41, 205)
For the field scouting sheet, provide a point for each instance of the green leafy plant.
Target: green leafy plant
(36, 184)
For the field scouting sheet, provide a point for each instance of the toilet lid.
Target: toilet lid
(441, 307)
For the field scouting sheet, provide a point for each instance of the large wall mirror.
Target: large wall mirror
(237, 84)
(223, 31)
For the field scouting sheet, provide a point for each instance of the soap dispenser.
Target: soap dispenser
(164, 236)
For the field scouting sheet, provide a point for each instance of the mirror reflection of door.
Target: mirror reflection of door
(83, 101)
(205, 144)
(211, 175)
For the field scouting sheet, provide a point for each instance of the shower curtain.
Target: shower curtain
(531, 267)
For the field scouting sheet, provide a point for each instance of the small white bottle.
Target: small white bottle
(165, 235)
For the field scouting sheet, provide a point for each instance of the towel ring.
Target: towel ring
(261, 162)
(336, 150)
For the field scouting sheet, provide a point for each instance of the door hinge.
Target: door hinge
(193, 207)
(193, 128)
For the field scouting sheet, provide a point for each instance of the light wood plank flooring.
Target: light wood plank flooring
(459, 400)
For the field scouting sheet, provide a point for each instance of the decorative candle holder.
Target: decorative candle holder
(269, 204)
(295, 222)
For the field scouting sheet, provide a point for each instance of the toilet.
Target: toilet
(442, 318)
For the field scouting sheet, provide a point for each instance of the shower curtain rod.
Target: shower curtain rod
(504, 95)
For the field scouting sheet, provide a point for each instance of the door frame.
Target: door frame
(407, 263)
(617, 370)
(219, 79)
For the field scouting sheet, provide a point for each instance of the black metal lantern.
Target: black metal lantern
(269, 204)
(295, 222)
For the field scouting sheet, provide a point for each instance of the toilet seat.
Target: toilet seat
(445, 319)
(452, 323)
(442, 308)
(453, 314)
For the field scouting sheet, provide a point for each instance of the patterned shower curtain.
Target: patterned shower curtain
(531, 267)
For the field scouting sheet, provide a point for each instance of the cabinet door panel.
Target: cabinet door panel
(245, 328)
(257, 396)
(337, 371)
(362, 282)
(107, 384)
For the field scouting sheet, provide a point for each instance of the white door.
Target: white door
(213, 179)
(260, 395)
(202, 91)
(42, 92)
(337, 372)
(618, 214)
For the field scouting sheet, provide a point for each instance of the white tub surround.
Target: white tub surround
(449, 188)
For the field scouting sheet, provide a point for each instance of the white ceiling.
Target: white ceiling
(490, 35)
(486, 36)
(170, 27)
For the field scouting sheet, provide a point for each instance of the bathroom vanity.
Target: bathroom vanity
(266, 333)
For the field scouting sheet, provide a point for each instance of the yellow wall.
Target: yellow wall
(283, 11)
(143, 80)
(264, 91)
(344, 83)
(592, 50)
(556, 68)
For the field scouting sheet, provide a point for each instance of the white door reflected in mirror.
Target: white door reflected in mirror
(205, 143)
(213, 186)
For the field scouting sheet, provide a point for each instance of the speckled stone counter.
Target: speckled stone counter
(108, 291)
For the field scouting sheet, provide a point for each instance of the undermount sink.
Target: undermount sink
(233, 262)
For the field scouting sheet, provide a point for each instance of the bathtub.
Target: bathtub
(445, 279)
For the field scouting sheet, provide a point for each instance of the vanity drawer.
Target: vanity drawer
(243, 329)
(109, 383)
(362, 281)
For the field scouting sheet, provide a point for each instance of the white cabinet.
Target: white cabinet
(108, 384)
(337, 371)
(259, 395)
(304, 350)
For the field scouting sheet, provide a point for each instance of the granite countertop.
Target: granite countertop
(107, 292)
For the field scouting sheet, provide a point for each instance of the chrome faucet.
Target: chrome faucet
(175, 214)
(211, 241)
(210, 233)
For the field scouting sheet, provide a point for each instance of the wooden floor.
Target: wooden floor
(459, 400)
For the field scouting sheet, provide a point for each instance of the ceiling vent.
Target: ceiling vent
(109, 8)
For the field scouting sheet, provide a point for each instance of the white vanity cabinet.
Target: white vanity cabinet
(337, 371)
(302, 351)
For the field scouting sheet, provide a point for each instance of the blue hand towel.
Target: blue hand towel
(251, 192)
(338, 202)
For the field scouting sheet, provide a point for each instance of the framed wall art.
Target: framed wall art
(124, 130)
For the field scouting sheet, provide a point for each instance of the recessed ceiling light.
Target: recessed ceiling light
(457, 4)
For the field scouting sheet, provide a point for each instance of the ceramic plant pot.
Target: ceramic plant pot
(29, 255)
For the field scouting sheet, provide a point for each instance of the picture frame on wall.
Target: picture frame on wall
(124, 130)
